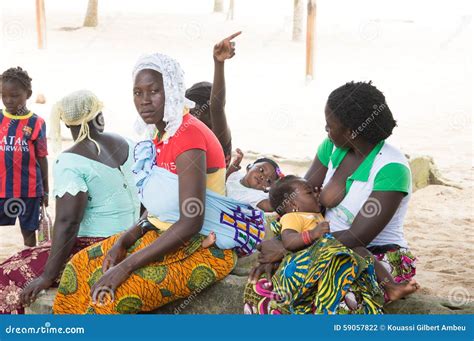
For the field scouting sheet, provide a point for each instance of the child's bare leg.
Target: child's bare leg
(29, 237)
(393, 289)
(209, 241)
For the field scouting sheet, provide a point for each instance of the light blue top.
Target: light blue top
(113, 204)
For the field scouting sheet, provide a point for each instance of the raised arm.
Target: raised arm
(69, 213)
(222, 51)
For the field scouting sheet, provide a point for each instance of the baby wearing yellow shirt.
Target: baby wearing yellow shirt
(301, 219)
(302, 223)
(308, 224)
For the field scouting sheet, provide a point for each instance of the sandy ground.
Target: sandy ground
(422, 60)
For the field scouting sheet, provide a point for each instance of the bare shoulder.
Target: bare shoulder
(115, 138)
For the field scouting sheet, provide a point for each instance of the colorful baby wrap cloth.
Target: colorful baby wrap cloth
(236, 225)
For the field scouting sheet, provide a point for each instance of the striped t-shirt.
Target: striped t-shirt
(22, 142)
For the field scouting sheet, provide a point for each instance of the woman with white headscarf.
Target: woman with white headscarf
(156, 261)
(95, 198)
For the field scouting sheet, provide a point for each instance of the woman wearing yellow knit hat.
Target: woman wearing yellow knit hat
(95, 198)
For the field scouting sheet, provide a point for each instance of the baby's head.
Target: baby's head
(294, 194)
(261, 174)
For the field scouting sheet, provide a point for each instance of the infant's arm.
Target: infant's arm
(265, 206)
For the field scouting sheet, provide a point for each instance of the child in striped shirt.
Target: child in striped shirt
(23, 163)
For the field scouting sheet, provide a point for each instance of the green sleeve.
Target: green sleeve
(393, 177)
(325, 151)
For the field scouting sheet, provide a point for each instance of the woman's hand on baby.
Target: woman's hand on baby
(320, 230)
(271, 251)
(115, 255)
(225, 49)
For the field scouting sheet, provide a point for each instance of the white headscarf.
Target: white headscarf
(173, 82)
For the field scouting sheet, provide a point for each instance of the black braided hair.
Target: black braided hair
(19, 75)
(281, 193)
(361, 107)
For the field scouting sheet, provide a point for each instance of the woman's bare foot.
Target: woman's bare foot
(395, 291)
(209, 241)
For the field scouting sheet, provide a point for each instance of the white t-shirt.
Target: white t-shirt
(342, 216)
(239, 192)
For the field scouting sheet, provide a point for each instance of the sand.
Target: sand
(422, 60)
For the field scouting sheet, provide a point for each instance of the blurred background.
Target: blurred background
(419, 53)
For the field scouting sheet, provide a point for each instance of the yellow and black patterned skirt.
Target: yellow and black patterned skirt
(175, 276)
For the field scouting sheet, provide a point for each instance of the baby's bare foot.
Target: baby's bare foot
(395, 291)
(209, 241)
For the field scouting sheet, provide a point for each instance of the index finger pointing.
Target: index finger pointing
(232, 36)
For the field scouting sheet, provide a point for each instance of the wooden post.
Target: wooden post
(218, 6)
(230, 12)
(92, 14)
(298, 16)
(41, 24)
(310, 39)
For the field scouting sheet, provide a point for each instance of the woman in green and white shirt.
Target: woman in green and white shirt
(364, 182)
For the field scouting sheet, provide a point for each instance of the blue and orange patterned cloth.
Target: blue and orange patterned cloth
(236, 225)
